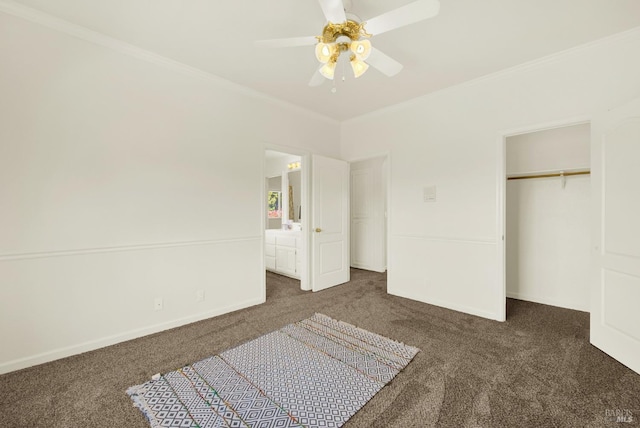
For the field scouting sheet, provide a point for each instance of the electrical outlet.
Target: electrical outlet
(200, 296)
(158, 304)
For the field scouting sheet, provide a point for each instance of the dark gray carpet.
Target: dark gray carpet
(535, 370)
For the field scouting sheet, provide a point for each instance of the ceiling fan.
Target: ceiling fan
(345, 32)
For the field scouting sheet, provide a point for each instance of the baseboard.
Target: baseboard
(546, 301)
(369, 268)
(92, 345)
(277, 272)
(447, 305)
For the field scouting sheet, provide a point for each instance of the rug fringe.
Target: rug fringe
(135, 393)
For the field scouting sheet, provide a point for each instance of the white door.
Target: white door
(330, 222)
(615, 293)
(368, 246)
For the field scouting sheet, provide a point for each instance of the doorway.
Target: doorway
(546, 215)
(286, 196)
(316, 247)
(614, 235)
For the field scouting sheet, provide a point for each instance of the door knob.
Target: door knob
(318, 229)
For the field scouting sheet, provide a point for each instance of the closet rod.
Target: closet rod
(555, 174)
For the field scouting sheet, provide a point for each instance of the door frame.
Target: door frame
(305, 218)
(501, 198)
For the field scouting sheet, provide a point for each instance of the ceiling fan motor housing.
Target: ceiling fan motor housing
(351, 29)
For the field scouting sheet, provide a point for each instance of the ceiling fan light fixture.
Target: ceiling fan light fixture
(347, 32)
(359, 67)
(324, 52)
(328, 70)
(361, 49)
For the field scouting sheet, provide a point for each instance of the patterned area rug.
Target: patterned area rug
(317, 372)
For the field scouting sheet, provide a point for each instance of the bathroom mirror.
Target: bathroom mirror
(295, 196)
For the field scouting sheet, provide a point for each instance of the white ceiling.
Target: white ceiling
(467, 40)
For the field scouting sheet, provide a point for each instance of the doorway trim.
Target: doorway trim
(501, 197)
(305, 219)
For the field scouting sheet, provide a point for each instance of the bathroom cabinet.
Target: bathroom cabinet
(283, 252)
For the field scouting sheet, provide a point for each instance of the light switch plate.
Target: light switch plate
(430, 194)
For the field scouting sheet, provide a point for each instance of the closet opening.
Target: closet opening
(547, 216)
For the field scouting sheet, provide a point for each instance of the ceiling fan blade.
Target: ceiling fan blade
(286, 43)
(384, 63)
(317, 79)
(333, 10)
(405, 15)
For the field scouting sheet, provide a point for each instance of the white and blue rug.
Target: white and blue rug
(317, 372)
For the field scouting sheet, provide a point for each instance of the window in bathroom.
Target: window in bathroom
(274, 203)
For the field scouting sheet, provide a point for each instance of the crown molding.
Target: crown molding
(623, 36)
(11, 7)
(556, 57)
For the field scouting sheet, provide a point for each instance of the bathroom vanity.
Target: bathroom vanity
(283, 252)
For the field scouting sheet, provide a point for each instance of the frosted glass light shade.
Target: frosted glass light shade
(361, 49)
(324, 51)
(328, 70)
(359, 67)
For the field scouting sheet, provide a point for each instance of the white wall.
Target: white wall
(548, 225)
(556, 149)
(448, 252)
(115, 176)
